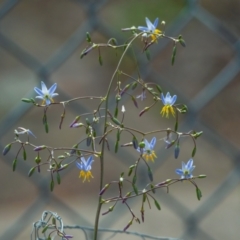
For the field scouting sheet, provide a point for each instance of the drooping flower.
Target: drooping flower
(24, 131)
(186, 171)
(142, 96)
(85, 167)
(45, 94)
(151, 29)
(147, 151)
(168, 102)
(168, 140)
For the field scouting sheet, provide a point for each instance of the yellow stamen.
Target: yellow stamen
(149, 156)
(85, 175)
(166, 109)
(155, 34)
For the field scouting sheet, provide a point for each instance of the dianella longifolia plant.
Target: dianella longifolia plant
(104, 121)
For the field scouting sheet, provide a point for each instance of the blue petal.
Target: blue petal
(168, 95)
(191, 169)
(189, 164)
(183, 165)
(79, 165)
(83, 160)
(41, 97)
(44, 88)
(48, 102)
(31, 133)
(149, 24)
(173, 100)
(38, 91)
(52, 88)
(152, 143)
(155, 22)
(89, 161)
(144, 29)
(147, 145)
(179, 171)
(163, 99)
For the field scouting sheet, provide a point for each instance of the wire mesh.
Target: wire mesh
(212, 106)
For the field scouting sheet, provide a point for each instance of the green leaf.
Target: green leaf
(26, 100)
(199, 193)
(24, 154)
(184, 109)
(135, 189)
(118, 135)
(116, 121)
(116, 112)
(131, 169)
(159, 88)
(46, 127)
(134, 85)
(150, 174)
(176, 126)
(157, 204)
(152, 188)
(14, 164)
(144, 197)
(181, 41)
(88, 38)
(54, 221)
(116, 146)
(45, 229)
(58, 178)
(51, 185)
(114, 41)
(174, 54)
(134, 179)
(44, 118)
(130, 172)
(31, 171)
(194, 151)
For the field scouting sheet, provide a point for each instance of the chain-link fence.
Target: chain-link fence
(42, 40)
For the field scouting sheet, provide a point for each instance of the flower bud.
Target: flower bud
(177, 150)
(74, 121)
(141, 144)
(39, 148)
(7, 149)
(135, 142)
(104, 189)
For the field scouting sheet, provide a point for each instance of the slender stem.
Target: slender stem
(103, 142)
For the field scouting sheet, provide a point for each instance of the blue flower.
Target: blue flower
(85, 167)
(148, 152)
(151, 29)
(46, 94)
(168, 102)
(186, 171)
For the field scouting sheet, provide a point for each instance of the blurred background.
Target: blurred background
(43, 40)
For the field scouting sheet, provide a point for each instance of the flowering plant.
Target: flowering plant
(110, 122)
